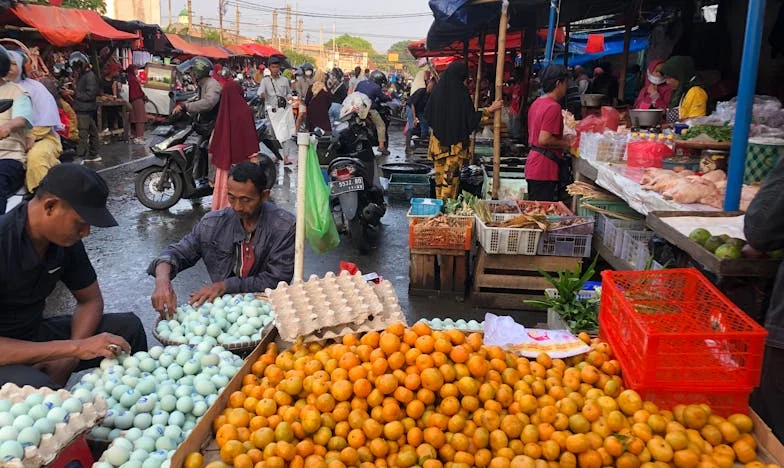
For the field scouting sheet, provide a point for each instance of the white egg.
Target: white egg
(116, 455)
(11, 449)
(219, 380)
(210, 360)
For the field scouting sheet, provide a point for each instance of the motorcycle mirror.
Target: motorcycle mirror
(5, 104)
(319, 132)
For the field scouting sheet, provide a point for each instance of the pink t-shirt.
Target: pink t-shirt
(544, 114)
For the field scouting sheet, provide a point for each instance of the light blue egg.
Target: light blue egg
(145, 443)
(154, 461)
(165, 360)
(142, 420)
(165, 443)
(145, 404)
(138, 455)
(228, 371)
(160, 417)
(46, 426)
(108, 362)
(11, 433)
(6, 419)
(102, 464)
(119, 391)
(29, 436)
(155, 352)
(186, 428)
(219, 380)
(124, 443)
(73, 405)
(130, 380)
(19, 409)
(84, 395)
(199, 408)
(155, 431)
(132, 434)
(168, 402)
(131, 463)
(33, 399)
(111, 413)
(98, 432)
(129, 398)
(110, 383)
(130, 362)
(175, 371)
(183, 357)
(205, 387)
(176, 418)
(58, 415)
(114, 434)
(5, 405)
(36, 412)
(173, 432)
(192, 367)
(147, 364)
(183, 391)
(210, 399)
(116, 455)
(11, 449)
(123, 420)
(185, 404)
(22, 421)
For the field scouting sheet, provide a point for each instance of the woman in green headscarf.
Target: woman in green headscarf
(689, 99)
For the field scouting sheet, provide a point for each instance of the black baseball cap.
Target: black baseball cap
(83, 189)
(551, 74)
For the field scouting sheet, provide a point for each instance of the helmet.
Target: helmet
(306, 66)
(5, 62)
(378, 77)
(355, 102)
(200, 67)
(61, 70)
(78, 59)
(337, 73)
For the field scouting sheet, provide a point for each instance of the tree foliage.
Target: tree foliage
(260, 40)
(352, 42)
(295, 58)
(96, 5)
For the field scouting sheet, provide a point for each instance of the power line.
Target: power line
(310, 14)
(359, 34)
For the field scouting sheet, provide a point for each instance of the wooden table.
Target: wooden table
(125, 112)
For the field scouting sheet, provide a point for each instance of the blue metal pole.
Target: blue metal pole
(748, 81)
(548, 48)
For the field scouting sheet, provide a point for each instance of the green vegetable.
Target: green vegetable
(715, 132)
(580, 315)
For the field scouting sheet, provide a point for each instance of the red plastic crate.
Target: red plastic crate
(674, 329)
(723, 401)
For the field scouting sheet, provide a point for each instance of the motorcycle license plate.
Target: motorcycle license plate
(353, 184)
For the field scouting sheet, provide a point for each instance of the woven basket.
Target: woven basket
(38, 67)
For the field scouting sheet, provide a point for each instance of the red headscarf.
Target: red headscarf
(216, 73)
(134, 86)
(234, 139)
(645, 100)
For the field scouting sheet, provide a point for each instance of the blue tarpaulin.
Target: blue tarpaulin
(613, 45)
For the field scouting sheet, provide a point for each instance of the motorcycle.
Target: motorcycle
(354, 177)
(171, 174)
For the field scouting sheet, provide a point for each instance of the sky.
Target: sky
(381, 33)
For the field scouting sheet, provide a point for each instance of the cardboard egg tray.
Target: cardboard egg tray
(330, 307)
(64, 433)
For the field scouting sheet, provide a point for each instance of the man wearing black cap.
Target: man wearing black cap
(40, 244)
(545, 135)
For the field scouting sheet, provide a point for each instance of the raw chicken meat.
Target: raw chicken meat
(651, 174)
(692, 189)
(747, 194)
(715, 176)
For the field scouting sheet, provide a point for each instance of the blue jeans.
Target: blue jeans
(423, 126)
(334, 113)
(12, 176)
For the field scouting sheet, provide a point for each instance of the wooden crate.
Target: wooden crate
(435, 272)
(506, 281)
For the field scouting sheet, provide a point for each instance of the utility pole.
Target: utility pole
(275, 28)
(170, 15)
(299, 33)
(221, 7)
(237, 12)
(190, 17)
(287, 38)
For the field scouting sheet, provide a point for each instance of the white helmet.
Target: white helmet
(267, 72)
(357, 103)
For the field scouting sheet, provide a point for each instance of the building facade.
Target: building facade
(146, 11)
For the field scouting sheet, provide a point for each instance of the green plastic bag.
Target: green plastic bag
(320, 229)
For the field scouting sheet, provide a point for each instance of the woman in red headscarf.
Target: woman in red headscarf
(655, 94)
(137, 98)
(234, 138)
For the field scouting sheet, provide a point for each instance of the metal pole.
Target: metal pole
(499, 82)
(627, 37)
(303, 140)
(548, 48)
(748, 79)
(482, 39)
(566, 44)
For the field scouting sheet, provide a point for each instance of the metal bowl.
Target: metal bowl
(646, 117)
(592, 100)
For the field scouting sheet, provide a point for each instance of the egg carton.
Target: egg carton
(449, 324)
(65, 432)
(390, 313)
(305, 307)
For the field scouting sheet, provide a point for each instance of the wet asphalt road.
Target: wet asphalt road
(121, 254)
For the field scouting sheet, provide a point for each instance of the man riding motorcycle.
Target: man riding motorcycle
(305, 80)
(373, 89)
(205, 107)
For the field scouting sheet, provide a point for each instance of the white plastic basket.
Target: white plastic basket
(613, 232)
(635, 248)
(509, 241)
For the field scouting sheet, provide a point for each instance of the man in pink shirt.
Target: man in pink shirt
(545, 136)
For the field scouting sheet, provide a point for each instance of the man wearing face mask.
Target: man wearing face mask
(247, 247)
(305, 81)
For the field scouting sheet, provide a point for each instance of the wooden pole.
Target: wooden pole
(627, 37)
(303, 140)
(482, 39)
(499, 82)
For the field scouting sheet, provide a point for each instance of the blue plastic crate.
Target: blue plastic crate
(426, 206)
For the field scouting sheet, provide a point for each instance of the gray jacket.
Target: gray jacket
(215, 239)
(86, 95)
(209, 96)
(764, 229)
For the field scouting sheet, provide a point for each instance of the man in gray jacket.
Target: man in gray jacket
(248, 247)
(86, 107)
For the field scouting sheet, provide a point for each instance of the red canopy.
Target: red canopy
(64, 27)
(261, 50)
(514, 40)
(189, 48)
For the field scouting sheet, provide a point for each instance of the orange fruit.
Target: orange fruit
(226, 433)
(389, 343)
(432, 379)
(230, 450)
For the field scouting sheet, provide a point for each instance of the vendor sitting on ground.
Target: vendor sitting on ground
(247, 247)
(41, 244)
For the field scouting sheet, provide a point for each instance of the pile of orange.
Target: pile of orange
(417, 397)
